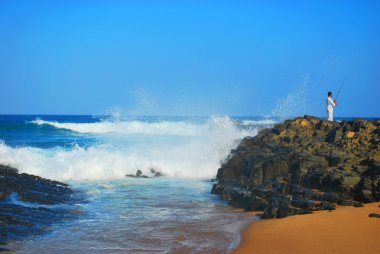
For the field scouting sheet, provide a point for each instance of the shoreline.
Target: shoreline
(345, 230)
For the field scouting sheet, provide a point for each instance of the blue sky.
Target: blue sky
(241, 58)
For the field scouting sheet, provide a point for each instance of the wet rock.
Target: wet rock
(346, 202)
(304, 204)
(217, 189)
(303, 165)
(326, 206)
(139, 174)
(331, 198)
(374, 215)
(30, 188)
(155, 173)
(7, 170)
(27, 204)
(279, 208)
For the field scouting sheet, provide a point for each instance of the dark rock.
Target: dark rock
(303, 165)
(334, 136)
(337, 158)
(304, 204)
(27, 204)
(155, 173)
(158, 174)
(7, 170)
(240, 200)
(139, 174)
(346, 202)
(217, 189)
(313, 181)
(30, 188)
(326, 206)
(331, 197)
(374, 215)
(358, 204)
(256, 204)
(278, 208)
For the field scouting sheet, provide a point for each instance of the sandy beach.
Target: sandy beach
(345, 230)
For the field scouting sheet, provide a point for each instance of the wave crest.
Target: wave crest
(177, 149)
(128, 127)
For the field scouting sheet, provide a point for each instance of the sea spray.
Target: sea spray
(294, 104)
(183, 149)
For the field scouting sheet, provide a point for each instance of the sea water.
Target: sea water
(116, 214)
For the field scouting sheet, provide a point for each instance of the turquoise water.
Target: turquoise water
(144, 216)
(116, 214)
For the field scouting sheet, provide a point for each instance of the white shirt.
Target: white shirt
(330, 103)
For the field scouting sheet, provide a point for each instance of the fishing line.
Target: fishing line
(341, 85)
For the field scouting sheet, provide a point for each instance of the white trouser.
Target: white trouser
(330, 112)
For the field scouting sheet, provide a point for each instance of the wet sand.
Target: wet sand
(345, 230)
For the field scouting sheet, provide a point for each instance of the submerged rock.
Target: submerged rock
(303, 165)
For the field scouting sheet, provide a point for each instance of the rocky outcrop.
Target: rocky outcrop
(29, 204)
(303, 165)
(139, 174)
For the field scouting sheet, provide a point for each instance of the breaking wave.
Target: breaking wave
(129, 127)
(175, 148)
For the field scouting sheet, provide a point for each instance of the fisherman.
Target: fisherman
(330, 106)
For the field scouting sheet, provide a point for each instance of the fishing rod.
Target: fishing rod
(341, 85)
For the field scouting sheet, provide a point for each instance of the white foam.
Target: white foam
(259, 122)
(129, 127)
(194, 151)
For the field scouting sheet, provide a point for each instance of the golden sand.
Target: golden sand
(346, 230)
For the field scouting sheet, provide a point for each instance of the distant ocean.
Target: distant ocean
(171, 214)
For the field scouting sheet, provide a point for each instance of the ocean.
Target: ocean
(174, 213)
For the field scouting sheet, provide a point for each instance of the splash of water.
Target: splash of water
(294, 104)
(177, 149)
